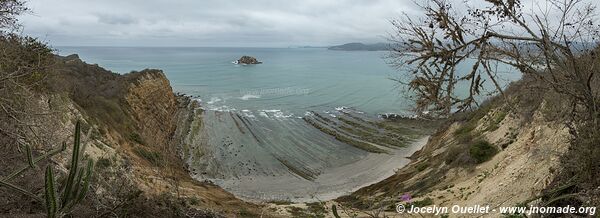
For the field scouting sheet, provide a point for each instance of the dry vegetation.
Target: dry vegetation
(41, 97)
(554, 44)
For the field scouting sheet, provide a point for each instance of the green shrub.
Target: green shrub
(464, 134)
(136, 138)
(496, 120)
(152, 156)
(281, 202)
(103, 163)
(482, 151)
(422, 203)
(422, 166)
(317, 209)
(194, 201)
(466, 128)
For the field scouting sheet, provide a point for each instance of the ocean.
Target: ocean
(251, 132)
(293, 80)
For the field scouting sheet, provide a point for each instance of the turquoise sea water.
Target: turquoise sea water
(291, 80)
(253, 127)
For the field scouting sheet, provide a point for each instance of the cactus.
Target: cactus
(75, 187)
(50, 192)
(29, 156)
(334, 210)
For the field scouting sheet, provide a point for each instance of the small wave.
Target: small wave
(248, 113)
(340, 108)
(345, 109)
(397, 115)
(271, 111)
(263, 114)
(275, 114)
(214, 100)
(248, 96)
(281, 115)
(223, 108)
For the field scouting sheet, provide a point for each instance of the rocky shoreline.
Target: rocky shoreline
(302, 183)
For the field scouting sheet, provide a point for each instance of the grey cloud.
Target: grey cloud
(116, 19)
(212, 22)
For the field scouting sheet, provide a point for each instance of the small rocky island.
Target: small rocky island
(247, 60)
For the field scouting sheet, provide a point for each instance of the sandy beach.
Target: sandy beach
(330, 184)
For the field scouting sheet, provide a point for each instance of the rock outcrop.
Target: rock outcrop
(153, 104)
(248, 60)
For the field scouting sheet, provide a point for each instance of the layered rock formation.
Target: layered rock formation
(153, 104)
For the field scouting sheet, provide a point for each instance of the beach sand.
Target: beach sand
(330, 184)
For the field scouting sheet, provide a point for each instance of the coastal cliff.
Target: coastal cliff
(132, 125)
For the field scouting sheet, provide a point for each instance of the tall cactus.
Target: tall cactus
(50, 192)
(334, 211)
(75, 187)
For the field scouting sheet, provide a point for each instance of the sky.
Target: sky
(257, 23)
(222, 23)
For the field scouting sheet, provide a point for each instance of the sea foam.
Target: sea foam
(248, 96)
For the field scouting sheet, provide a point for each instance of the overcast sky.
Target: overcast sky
(274, 23)
(257, 23)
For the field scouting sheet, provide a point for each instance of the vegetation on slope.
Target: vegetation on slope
(138, 173)
(559, 55)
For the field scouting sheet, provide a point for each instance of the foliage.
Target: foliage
(153, 157)
(137, 138)
(103, 163)
(482, 151)
(422, 166)
(422, 203)
(494, 124)
(317, 208)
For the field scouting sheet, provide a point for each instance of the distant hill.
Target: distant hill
(355, 46)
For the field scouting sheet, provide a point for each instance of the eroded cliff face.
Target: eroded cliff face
(153, 104)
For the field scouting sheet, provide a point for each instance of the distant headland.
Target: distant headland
(356, 46)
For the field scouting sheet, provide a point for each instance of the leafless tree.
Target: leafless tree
(544, 41)
(552, 42)
(9, 10)
(24, 63)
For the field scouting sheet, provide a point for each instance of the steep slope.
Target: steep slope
(452, 170)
